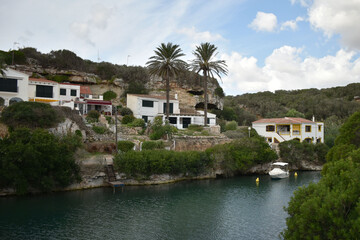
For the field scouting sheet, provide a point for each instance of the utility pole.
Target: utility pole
(12, 61)
(127, 60)
(116, 134)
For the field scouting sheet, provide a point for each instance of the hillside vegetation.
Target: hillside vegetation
(67, 60)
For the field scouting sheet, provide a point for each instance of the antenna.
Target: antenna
(98, 58)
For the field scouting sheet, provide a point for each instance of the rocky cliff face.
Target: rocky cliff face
(190, 97)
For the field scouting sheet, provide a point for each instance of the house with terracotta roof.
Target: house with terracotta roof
(13, 87)
(148, 107)
(277, 130)
(89, 101)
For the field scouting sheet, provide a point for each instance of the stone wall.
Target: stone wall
(198, 143)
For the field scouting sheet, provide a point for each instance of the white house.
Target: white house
(277, 130)
(43, 90)
(148, 107)
(68, 94)
(13, 87)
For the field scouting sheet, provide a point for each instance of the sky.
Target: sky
(267, 44)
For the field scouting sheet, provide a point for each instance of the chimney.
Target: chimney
(176, 96)
(313, 118)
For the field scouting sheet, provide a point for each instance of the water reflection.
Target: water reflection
(211, 209)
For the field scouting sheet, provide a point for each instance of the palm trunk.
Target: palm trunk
(205, 99)
(167, 96)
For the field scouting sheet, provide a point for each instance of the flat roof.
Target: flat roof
(42, 80)
(151, 96)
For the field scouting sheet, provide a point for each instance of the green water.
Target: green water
(209, 209)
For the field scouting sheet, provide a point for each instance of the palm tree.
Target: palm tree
(204, 61)
(166, 63)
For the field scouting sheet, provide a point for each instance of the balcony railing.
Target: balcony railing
(296, 132)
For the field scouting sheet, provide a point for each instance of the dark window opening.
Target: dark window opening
(270, 128)
(307, 128)
(171, 110)
(208, 120)
(145, 118)
(63, 91)
(173, 120)
(44, 91)
(186, 122)
(146, 103)
(73, 92)
(8, 85)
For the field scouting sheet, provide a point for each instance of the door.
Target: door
(186, 122)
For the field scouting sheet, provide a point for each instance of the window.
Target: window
(44, 91)
(269, 140)
(8, 85)
(63, 91)
(319, 127)
(172, 120)
(307, 128)
(208, 121)
(171, 110)
(145, 118)
(146, 103)
(73, 92)
(270, 128)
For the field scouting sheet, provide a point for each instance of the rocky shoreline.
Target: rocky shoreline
(93, 176)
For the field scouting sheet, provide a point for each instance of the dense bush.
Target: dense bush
(330, 209)
(125, 146)
(231, 126)
(127, 119)
(159, 129)
(148, 162)
(138, 122)
(99, 129)
(125, 111)
(240, 155)
(219, 92)
(37, 160)
(151, 145)
(109, 95)
(93, 116)
(30, 114)
(293, 152)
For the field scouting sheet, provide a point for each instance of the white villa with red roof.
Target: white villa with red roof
(148, 107)
(277, 130)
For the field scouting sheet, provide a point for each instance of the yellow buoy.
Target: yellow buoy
(295, 174)
(257, 180)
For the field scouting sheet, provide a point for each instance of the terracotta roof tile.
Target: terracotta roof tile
(286, 120)
(85, 90)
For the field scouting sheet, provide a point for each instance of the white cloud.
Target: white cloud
(198, 37)
(285, 69)
(266, 22)
(304, 3)
(291, 24)
(337, 17)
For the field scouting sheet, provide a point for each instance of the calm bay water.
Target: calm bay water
(209, 209)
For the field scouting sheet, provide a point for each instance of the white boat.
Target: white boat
(279, 170)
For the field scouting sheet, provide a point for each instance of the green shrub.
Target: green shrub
(231, 125)
(148, 162)
(99, 129)
(293, 152)
(219, 92)
(109, 95)
(159, 130)
(235, 134)
(125, 146)
(138, 122)
(78, 133)
(31, 115)
(93, 116)
(195, 127)
(109, 120)
(125, 111)
(127, 119)
(37, 160)
(240, 155)
(151, 145)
